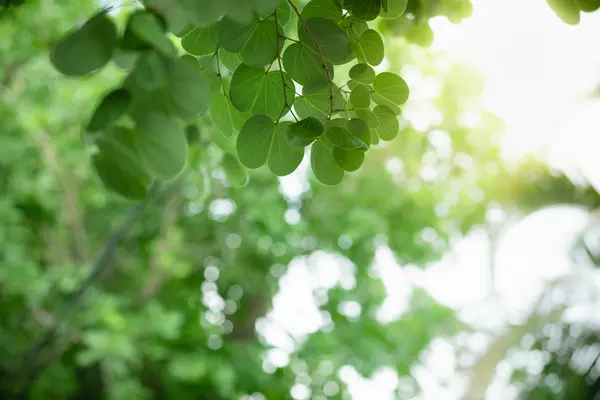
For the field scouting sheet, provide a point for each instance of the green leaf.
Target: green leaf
(284, 157)
(230, 60)
(233, 36)
(118, 165)
(566, 10)
(588, 5)
(148, 28)
(245, 85)
(236, 174)
(388, 123)
(368, 116)
(325, 37)
(323, 164)
(263, 45)
(370, 47)
(367, 10)
(150, 71)
(254, 141)
(87, 49)
(111, 107)
(189, 92)
(327, 9)
(226, 118)
(315, 102)
(338, 135)
(203, 13)
(263, 93)
(390, 90)
(307, 129)
(359, 129)
(360, 97)
(256, 41)
(161, 144)
(349, 160)
(124, 59)
(393, 8)
(304, 65)
(261, 140)
(275, 95)
(362, 73)
(284, 13)
(201, 41)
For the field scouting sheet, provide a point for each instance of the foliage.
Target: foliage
(180, 311)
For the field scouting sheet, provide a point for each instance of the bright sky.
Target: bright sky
(538, 72)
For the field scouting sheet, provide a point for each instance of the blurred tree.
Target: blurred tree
(183, 308)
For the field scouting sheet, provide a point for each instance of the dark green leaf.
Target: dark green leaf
(324, 166)
(349, 160)
(367, 10)
(87, 49)
(393, 8)
(326, 38)
(111, 107)
(327, 9)
(161, 144)
(307, 129)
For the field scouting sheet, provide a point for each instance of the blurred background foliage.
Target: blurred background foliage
(187, 310)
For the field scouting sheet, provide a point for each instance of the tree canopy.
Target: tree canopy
(193, 145)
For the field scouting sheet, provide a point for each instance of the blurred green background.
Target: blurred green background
(440, 270)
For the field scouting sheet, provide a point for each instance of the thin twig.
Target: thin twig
(283, 84)
(320, 52)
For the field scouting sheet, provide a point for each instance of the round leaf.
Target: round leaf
(327, 9)
(388, 123)
(201, 41)
(367, 10)
(362, 73)
(87, 49)
(588, 5)
(393, 8)
(368, 116)
(111, 107)
(323, 164)
(226, 118)
(307, 129)
(304, 65)
(390, 89)
(349, 160)
(263, 44)
(359, 129)
(254, 141)
(566, 10)
(161, 144)
(360, 97)
(315, 102)
(325, 37)
(149, 29)
(284, 157)
(189, 92)
(236, 174)
(370, 47)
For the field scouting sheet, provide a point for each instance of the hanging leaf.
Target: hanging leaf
(161, 144)
(370, 47)
(349, 160)
(360, 97)
(362, 73)
(327, 9)
(307, 129)
(236, 174)
(304, 65)
(111, 107)
(148, 28)
(188, 92)
(315, 102)
(388, 123)
(390, 90)
(323, 163)
(325, 37)
(226, 118)
(201, 41)
(87, 49)
(263, 93)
